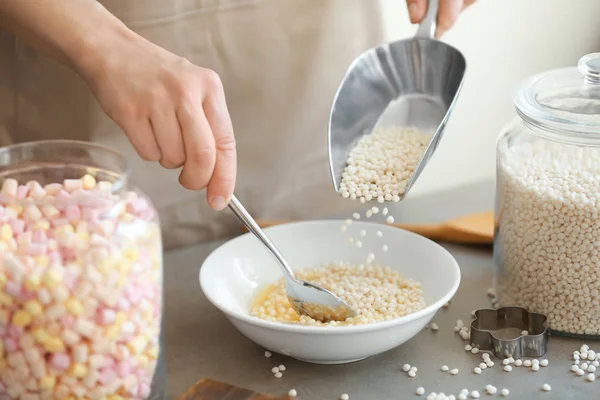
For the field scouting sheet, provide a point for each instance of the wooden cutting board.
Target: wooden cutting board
(475, 229)
(207, 389)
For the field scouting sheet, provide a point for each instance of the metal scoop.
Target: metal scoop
(306, 298)
(411, 83)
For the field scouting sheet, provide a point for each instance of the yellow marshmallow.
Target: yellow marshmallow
(41, 335)
(142, 360)
(115, 397)
(78, 371)
(120, 318)
(54, 345)
(47, 382)
(34, 308)
(83, 236)
(74, 306)
(17, 208)
(153, 353)
(88, 181)
(42, 224)
(2, 279)
(127, 217)
(5, 299)
(131, 254)
(33, 282)
(6, 232)
(52, 278)
(64, 229)
(123, 267)
(21, 319)
(42, 261)
(112, 332)
(137, 344)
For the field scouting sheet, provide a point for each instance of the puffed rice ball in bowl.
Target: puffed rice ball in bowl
(395, 279)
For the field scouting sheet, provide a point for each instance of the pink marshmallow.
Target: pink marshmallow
(36, 249)
(144, 390)
(67, 254)
(15, 331)
(59, 222)
(10, 345)
(133, 294)
(12, 288)
(70, 280)
(55, 257)
(73, 213)
(107, 316)
(137, 206)
(68, 321)
(107, 376)
(17, 225)
(60, 361)
(89, 214)
(123, 369)
(63, 198)
(22, 192)
(123, 304)
(39, 236)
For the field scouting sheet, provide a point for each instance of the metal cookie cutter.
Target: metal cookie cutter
(501, 331)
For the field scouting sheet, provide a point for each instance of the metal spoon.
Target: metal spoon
(412, 83)
(305, 297)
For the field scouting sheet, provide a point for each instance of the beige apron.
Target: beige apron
(280, 62)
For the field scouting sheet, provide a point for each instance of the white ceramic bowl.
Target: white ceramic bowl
(231, 275)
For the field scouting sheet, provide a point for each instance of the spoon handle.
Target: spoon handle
(428, 24)
(239, 210)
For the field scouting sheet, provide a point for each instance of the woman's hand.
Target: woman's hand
(172, 111)
(447, 14)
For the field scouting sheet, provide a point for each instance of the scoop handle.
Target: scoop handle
(429, 23)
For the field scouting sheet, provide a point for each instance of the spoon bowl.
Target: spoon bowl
(306, 298)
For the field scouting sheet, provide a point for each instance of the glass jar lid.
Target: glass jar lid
(564, 101)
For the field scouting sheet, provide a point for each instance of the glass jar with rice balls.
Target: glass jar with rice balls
(80, 275)
(547, 242)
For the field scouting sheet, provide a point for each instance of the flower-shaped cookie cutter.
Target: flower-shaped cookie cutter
(510, 332)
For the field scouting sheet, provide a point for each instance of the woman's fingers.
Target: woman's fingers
(142, 138)
(222, 182)
(468, 3)
(416, 10)
(448, 12)
(167, 132)
(199, 144)
(447, 15)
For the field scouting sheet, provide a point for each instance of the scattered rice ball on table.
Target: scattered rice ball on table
(549, 222)
(381, 164)
(377, 293)
(80, 291)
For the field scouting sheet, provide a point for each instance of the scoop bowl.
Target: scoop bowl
(231, 276)
(407, 83)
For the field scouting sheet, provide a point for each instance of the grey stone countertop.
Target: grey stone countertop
(201, 343)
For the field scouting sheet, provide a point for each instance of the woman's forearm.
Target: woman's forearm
(77, 33)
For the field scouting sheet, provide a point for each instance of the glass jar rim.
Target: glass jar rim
(119, 167)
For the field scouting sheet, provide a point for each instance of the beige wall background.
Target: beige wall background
(504, 42)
